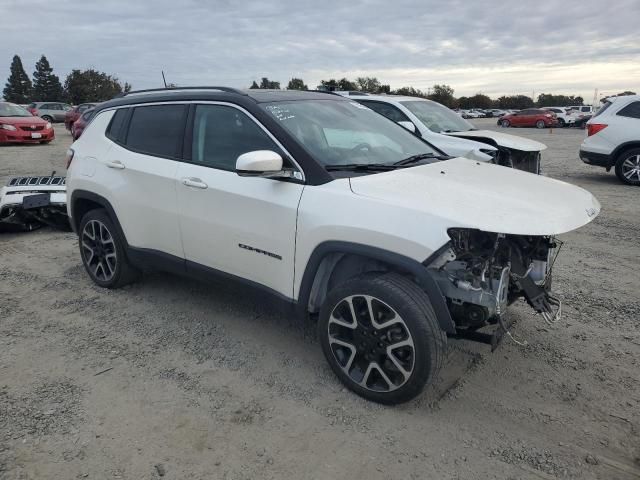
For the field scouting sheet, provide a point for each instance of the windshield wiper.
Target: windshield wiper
(368, 167)
(416, 158)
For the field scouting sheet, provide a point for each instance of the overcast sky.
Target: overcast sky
(493, 47)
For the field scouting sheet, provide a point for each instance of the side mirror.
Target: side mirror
(261, 163)
(408, 125)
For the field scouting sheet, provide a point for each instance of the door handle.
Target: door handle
(115, 164)
(194, 183)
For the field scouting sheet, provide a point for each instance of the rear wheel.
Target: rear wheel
(505, 123)
(381, 337)
(540, 124)
(628, 167)
(103, 251)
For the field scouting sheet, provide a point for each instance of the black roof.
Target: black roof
(215, 94)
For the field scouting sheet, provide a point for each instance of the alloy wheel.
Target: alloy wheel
(631, 168)
(371, 343)
(99, 250)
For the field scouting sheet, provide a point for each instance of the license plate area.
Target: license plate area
(36, 201)
(36, 135)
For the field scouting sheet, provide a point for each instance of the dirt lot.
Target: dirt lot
(205, 381)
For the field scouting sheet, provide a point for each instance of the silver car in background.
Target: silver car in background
(50, 111)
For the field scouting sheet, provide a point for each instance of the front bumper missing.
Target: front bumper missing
(28, 203)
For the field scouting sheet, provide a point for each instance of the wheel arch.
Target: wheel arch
(623, 147)
(82, 201)
(334, 261)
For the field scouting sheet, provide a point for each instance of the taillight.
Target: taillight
(593, 128)
(69, 158)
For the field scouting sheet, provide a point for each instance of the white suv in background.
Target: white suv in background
(445, 129)
(326, 205)
(613, 138)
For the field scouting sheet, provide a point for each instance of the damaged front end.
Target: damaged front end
(481, 273)
(28, 203)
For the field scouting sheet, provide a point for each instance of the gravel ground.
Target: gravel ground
(169, 378)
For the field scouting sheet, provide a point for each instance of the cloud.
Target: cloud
(491, 46)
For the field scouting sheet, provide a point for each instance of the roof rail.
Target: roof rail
(167, 89)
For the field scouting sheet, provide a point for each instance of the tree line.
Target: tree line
(443, 94)
(80, 86)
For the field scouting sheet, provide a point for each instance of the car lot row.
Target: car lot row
(429, 120)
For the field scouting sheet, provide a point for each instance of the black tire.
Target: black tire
(561, 122)
(115, 271)
(629, 161)
(47, 118)
(505, 123)
(417, 324)
(540, 124)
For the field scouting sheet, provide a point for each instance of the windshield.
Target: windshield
(436, 117)
(12, 110)
(346, 133)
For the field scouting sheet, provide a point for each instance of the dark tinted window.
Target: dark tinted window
(156, 129)
(117, 121)
(389, 111)
(221, 134)
(632, 110)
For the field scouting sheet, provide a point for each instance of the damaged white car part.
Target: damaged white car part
(482, 273)
(27, 203)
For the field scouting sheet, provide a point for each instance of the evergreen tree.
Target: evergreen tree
(18, 86)
(46, 85)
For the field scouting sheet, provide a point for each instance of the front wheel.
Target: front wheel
(628, 167)
(505, 123)
(540, 124)
(381, 337)
(47, 118)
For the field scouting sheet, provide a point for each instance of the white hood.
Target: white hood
(470, 194)
(503, 140)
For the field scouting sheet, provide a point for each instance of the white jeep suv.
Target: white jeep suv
(330, 207)
(613, 138)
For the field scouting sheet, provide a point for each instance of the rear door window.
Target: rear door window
(157, 130)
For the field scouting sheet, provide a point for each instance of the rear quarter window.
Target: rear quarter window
(632, 110)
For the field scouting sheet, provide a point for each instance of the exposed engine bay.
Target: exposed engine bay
(28, 203)
(481, 273)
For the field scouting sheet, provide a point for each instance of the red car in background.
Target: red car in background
(18, 125)
(72, 115)
(81, 123)
(530, 117)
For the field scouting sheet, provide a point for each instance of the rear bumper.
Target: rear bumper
(22, 136)
(597, 159)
